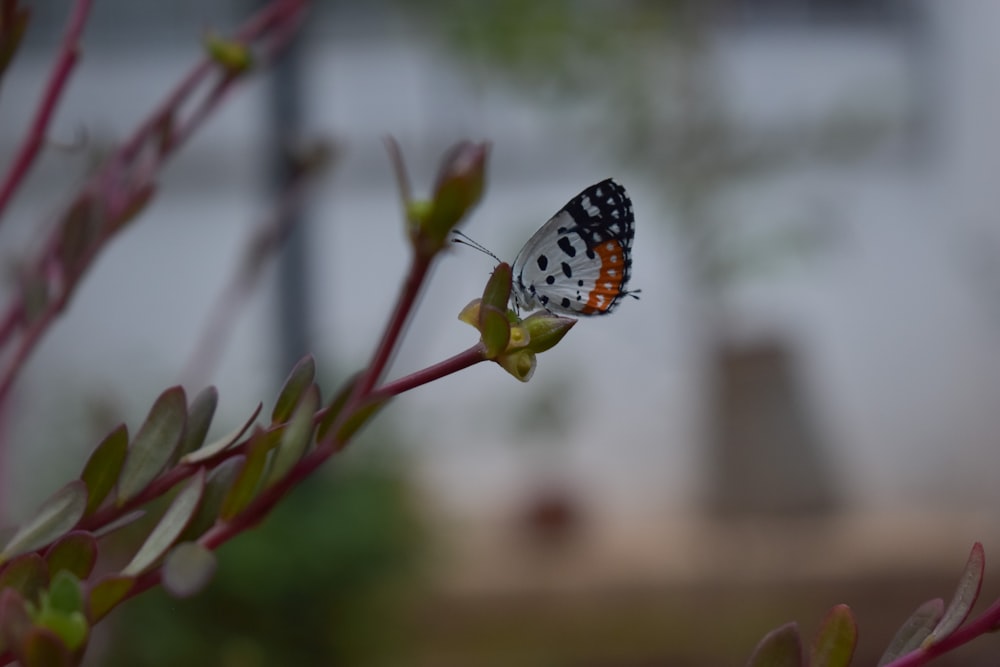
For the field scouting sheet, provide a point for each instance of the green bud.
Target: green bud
(545, 330)
(459, 187)
(234, 56)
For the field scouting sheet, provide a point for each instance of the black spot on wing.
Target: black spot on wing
(567, 246)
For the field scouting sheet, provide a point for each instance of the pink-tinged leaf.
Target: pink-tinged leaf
(187, 569)
(837, 637)
(217, 486)
(296, 438)
(14, 619)
(42, 647)
(964, 598)
(332, 411)
(56, 517)
(75, 552)
(154, 444)
(27, 575)
(199, 420)
(913, 632)
(359, 418)
(170, 527)
(781, 647)
(299, 380)
(223, 443)
(103, 467)
(119, 523)
(248, 479)
(138, 199)
(81, 226)
(106, 594)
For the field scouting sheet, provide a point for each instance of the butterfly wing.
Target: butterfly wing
(580, 261)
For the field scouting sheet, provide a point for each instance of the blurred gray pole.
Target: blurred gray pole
(285, 115)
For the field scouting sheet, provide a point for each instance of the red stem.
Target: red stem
(68, 56)
(460, 361)
(419, 267)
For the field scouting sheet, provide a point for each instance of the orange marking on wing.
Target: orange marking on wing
(609, 281)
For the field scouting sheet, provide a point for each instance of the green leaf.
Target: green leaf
(199, 419)
(64, 593)
(219, 481)
(170, 527)
(188, 569)
(296, 438)
(916, 628)
(107, 593)
(27, 575)
(61, 611)
(223, 443)
(75, 552)
(42, 647)
(299, 380)
(248, 479)
(837, 637)
(54, 518)
(154, 444)
(964, 598)
(103, 467)
(779, 648)
(124, 520)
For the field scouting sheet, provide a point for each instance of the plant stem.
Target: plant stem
(460, 361)
(68, 56)
(419, 267)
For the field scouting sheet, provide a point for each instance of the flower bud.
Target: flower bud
(459, 187)
(545, 330)
(521, 364)
(232, 55)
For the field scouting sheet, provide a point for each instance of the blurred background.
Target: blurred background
(801, 410)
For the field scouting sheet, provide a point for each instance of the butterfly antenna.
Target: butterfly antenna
(465, 239)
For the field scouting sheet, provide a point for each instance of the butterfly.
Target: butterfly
(580, 261)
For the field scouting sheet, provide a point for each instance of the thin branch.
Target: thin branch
(459, 362)
(68, 56)
(123, 184)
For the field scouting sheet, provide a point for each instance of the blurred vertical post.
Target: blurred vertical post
(285, 119)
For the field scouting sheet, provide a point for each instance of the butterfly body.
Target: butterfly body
(580, 261)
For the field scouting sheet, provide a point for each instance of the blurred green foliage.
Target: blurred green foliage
(325, 580)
